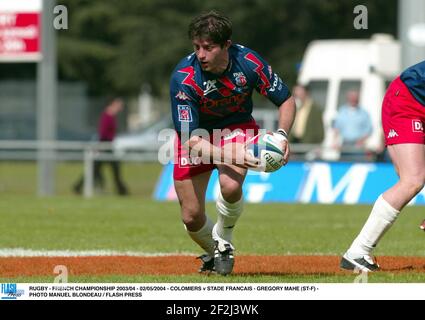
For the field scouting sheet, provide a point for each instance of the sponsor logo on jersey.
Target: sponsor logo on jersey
(182, 96)
(185, 114)
(417, 126)
(392, 134)
(217, 107)
(277, 81)
(240, 79)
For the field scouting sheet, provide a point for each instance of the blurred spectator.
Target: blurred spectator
(308, 125)
(106, 133)
(352, 125)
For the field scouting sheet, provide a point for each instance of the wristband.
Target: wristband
(283, 133)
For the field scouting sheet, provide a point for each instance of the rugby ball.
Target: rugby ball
(267, 147)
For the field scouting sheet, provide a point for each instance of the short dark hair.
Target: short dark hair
(211, 26)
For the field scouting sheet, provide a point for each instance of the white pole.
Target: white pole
(411, 30)
(46, 101)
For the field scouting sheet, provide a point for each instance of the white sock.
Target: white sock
(380, 220)
(203, 237)
(228, 214)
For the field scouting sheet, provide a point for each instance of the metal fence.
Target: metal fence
(88, 152)
(91, 151)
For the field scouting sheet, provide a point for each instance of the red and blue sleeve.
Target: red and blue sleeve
(184, 104)
(267, 82)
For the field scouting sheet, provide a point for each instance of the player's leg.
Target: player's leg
(409, 159)
(410, 184)
(229, 201)
(191, 195)
(229, 207)
(231, 177)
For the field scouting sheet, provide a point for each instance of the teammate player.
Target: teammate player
(211, 89)
(403, 118)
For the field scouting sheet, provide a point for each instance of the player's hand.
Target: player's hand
(250, 161)
(240, 157)
(286, 151)
(283, 137)
(236, 154)
(245, 159)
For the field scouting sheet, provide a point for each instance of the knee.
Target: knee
(419, 183)
(192, 218)
(416, 183)
(231, 191)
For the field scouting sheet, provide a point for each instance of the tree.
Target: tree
(117, 46)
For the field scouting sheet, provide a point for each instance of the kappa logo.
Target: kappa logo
(182, 96)
(417, 126)
(185, 114)
(392, 134)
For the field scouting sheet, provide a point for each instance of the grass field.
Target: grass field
(139, 224)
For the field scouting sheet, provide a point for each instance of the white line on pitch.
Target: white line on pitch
(20, 252)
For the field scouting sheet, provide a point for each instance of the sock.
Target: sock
(380, 220)
(228, 214)
(203, 237)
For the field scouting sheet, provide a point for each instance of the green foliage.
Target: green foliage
(117, 46)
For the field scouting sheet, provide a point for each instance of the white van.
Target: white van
(332, 67)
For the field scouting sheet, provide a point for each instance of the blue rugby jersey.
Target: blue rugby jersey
(414, 78)
(200, 99)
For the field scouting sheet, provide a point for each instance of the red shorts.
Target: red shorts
(403, 117)
(186, 167)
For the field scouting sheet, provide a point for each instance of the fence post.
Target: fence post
(88, 172)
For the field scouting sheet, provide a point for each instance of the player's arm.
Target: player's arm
(270, 85)
(287, 112)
